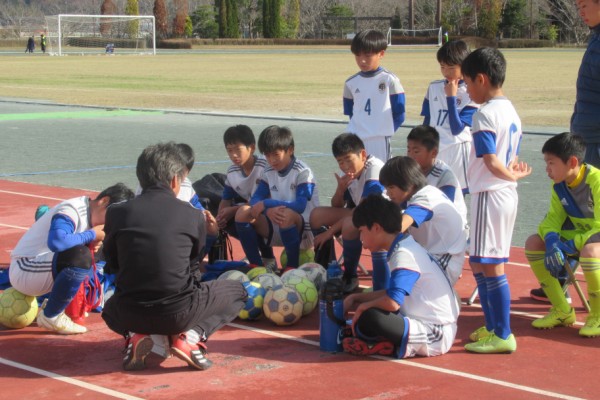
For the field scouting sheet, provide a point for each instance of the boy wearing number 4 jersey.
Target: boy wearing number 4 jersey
(448, 108)
(373, 98)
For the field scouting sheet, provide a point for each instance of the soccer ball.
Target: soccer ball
(256, 271)
(283, 305)
(234, 275)
(16, 309)
(293, 272)
(268, 280)
(307, 291)
(316, 273)
(306, 255)
(253, 308)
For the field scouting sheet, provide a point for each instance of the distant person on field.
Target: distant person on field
(55, 255)
(493, 173)
(151, 243)
(448, 108)
(30, 45)
(571, 228)
(110, 48)
(360, 178)
(585, 121)
(43, 43)
(373, 98)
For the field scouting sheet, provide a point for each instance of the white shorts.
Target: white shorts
(32, 276)
(452, 265)
(306, 236)
(457, 158)
(427, 340)
(378, 146)
(493, 217)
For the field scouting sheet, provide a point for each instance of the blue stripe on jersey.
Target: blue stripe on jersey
(488, 260)
(348, 107)
(563, 193)
(228, 193)
(402, 282)
(419, 214)
(449, 191)
(425, 111)
(397, 102)
(61, 235)
(484, 142)
(195, 202)
(372, 187)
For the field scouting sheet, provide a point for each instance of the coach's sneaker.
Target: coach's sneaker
(193, 354)
(493, 344)
(480, 333)
(358, 347)
(555, 318)
(137, 347)
(350, 283)
(591, 327)
(60, 324)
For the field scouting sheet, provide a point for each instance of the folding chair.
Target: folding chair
(340, 260)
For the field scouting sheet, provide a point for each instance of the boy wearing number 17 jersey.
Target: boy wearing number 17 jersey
(373, 98)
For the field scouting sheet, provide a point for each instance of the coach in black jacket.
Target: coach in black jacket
(150, 244)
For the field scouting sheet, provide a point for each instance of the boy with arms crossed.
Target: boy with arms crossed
(373, 98)
(570, 228)
(360, 179)
(493, 173)
(280, 207)
(416, 314)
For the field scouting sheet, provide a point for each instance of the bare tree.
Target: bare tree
(565, 14)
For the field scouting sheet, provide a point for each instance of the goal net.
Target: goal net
(415, 37)
(100, 34)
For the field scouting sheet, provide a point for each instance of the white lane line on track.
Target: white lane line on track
(37, 196)
(14, 227)
(422, 366)
(71, 381)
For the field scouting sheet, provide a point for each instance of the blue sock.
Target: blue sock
(249, 241)
(499, 298)
(291, 241)
(381, 270)
(351, 251)
(66, 285)
(484, 300)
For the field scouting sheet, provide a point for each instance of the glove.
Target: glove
(568, 247)
(554, 260)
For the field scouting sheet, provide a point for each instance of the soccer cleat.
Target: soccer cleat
(60, 324)
(591, 327)
(193, 354)
(358, 347)
(270, 264)
(480, 333)
(137, 347)
(493, 345)
(554, 318)
(539, 295)
(350, 283)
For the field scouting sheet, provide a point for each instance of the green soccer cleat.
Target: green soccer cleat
(478, 334)
(555, 318)
(493, 345)
(591, 327)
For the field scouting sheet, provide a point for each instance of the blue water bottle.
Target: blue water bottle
(331, 314)
(334, 271)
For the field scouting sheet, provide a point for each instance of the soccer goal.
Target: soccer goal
(415, 37)
(100, 34)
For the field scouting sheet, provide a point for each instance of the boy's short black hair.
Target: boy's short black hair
(274, 138)
(239, 134)
(564, 146)
(426, 135)
(368, 41)
(187, 153)
(116, 193)
(375, 209)
(403, 172)
(453, 52)
(346, 143)
(159, 164)
(488, 61)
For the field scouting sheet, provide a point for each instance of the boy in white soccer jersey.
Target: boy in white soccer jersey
(448, 108)
(373, 98)
(416, 313)
(242, 179)
(280, 207)
(55, 255)
(422, 145)
(360, 179)
(429, 215)
(493, 173)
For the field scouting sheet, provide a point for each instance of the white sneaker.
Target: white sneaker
(60, 324)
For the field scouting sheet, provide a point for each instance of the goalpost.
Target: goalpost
(415, 37)
(100, 34)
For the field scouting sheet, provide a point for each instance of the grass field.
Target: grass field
(298, 81)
